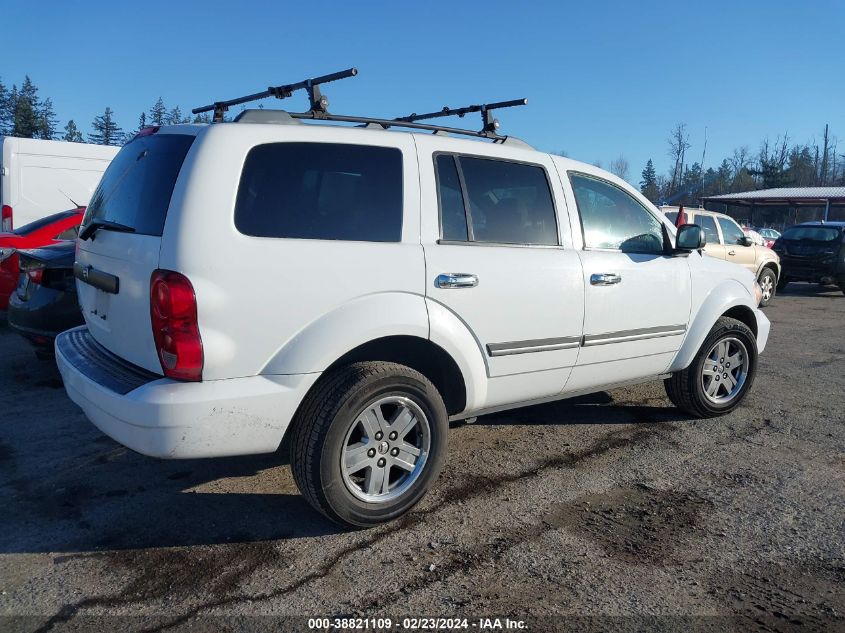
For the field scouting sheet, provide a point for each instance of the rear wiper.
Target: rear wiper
(95, 225)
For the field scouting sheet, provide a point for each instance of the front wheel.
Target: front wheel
(368, 442)
(720, 375)
(768, 282)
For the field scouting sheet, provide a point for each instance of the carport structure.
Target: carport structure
(784, 206)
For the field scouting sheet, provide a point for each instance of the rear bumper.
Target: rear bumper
(165, 418)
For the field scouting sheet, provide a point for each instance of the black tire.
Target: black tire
(326, 416)
(768, 274)
(685, 388)
(782, 281)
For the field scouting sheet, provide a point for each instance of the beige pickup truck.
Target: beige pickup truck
(726, 240)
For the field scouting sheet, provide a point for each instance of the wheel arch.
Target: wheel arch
(729, 299)
(420, 354)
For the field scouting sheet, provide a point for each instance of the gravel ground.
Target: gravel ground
(607, 512)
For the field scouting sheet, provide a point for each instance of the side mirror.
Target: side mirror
(745, 241)
(690, 237)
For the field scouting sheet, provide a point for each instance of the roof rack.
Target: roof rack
(319, 110)
(490, 124)
(319, 103)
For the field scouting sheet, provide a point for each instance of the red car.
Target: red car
(50, 230)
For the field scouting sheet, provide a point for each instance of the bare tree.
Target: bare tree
(678, 145)
(825, 156)
(620, 167)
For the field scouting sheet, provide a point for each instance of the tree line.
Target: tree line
(778, 163)
(23, 113)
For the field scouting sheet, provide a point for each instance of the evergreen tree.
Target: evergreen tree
(47, 121)
(175, 116)
(5, 110)
(158, 113)
(648, 184)
(142, 121)
(72, 134)
(106, 131)
(26, 121)
(202, 118)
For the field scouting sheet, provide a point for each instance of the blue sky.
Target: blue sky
(602, 78)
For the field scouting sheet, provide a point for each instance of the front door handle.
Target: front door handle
(605, 279)
(456, 280)
(731, 252)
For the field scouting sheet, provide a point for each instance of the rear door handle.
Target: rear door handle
(456, 280)
(605, 279)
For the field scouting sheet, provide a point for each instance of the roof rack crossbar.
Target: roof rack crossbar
(490, 124)
(388, 123)
(319, 102)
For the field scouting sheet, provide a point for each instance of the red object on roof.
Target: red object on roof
(682, 217)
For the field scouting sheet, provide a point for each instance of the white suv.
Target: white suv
(359, 288)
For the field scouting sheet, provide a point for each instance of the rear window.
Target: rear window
(321, 191)
(672, 215)
(136, 188)
(37, 225)
(815, 233)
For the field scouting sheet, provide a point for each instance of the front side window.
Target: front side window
(499, 201)
(321, 191)
(613, 219)
(731, 231)
(708, 225)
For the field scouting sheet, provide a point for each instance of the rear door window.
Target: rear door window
(495, 201)
(321, 191)
(708, 225)
(136, 188)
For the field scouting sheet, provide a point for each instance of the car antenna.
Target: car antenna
(319, 102)
(490, 124)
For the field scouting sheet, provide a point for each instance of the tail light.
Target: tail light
(6, 219)
(35, 273)
(173, 313)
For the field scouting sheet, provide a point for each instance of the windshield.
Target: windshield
(136, 188)
(37, 225)
(815, 233)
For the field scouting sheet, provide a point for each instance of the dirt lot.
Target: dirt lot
(607, 512)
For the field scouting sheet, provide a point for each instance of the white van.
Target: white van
(40, 177)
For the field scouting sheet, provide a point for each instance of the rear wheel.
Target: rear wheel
(768, 281)
(368, 442)
(720, 375)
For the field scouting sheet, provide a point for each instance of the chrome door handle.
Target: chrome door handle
(605, 279)
(731, 252)
(456, 280)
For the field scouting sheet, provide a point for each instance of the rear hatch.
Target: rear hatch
(50, 266)
(116, 261)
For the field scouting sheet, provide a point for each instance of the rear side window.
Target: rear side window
(499, 201)
(708, 225)
(321, 191)
(136, 188)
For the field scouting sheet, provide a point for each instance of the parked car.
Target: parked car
(357, 288)
(39, 177)
(50, 230)
(770, 235)
(727, 240)
(756, 238)
(814, 252)
(45, 302)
